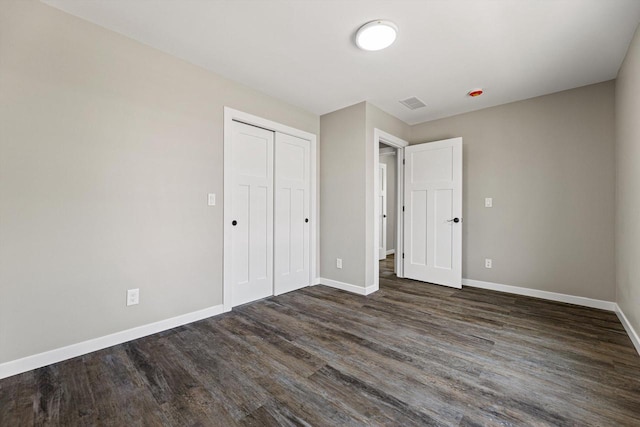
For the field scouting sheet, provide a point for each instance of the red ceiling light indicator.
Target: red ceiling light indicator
(474, 93)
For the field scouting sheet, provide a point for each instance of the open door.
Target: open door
(433, 212)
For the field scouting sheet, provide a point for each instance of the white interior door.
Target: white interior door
(382, 202)
(292, 209)
(251, 201)
(433, 212)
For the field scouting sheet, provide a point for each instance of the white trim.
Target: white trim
(229, 116)
(29, 363)
(551, 296)
(386, 138)
(391, 251)
(399, 265)
(382, 216)
(348, 286)
(633, 335)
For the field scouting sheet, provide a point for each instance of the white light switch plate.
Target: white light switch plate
(488, 202)
(338, 262)
(211, 200)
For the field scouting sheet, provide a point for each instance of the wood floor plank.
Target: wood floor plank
(17, 399)
(217, 362)
(78, 402)
(379, 407)
(274, 413)
(120, 393)
(48, 396)
(178, 390)
(411, 354)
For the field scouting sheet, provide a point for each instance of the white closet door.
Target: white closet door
(292, 208)
(252, 213)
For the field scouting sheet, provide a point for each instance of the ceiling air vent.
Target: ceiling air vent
(413, 103)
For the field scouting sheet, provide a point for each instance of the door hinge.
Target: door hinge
(403, 209)
(402, 255)
(403, 161)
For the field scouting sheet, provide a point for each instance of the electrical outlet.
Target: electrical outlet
(488, 263)
(488, 202)
(338, 262)
(211, 199)
(133, 296)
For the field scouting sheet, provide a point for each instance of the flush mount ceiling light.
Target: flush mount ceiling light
(376, 35)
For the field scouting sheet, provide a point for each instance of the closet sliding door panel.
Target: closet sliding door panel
(252, 213)
(292, 208)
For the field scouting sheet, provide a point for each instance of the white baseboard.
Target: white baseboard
(349, 287)
(29, 363)
(635, 339)
(371, 289)
(391, 251)
(552, 296)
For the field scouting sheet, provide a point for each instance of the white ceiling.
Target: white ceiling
(302, 51)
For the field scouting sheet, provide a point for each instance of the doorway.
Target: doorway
(390, 144)
(429, 210)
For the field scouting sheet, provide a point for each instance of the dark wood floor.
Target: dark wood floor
(410, 354)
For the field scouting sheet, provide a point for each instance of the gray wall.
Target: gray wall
(108, 149)
(548, 163)
(342, 194)
(628, 184)
(390, 161)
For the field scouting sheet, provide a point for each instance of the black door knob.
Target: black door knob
(234, 222)
(456, 220)
(306, 220)
(384, 216)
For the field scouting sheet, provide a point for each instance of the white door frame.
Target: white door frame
(380, 136)
(230, 115)
(382, 215)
